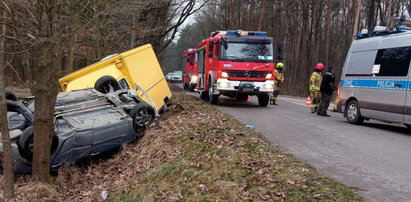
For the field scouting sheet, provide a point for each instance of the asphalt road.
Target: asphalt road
(373, 159)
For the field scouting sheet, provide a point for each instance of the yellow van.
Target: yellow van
(136, 69)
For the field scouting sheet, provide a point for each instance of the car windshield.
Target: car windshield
(177, 73)
(247, 51)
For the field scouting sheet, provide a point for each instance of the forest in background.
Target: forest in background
(308, 31)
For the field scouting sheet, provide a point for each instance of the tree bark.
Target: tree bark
(328, 33)
(45, 65)
(262, 15)
(390, 15)
(357, 18)
(7, 164)
(371, 15)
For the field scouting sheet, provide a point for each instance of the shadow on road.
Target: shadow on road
(232, 103)
(389, 127)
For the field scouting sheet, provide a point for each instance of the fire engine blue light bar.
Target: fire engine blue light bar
(260, 33)
(231, 32)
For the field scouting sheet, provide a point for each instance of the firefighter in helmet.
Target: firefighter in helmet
(279, 78)
(315, 83)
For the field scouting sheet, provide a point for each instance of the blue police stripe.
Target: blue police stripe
(386, 84)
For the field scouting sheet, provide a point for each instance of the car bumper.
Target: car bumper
(248, 87)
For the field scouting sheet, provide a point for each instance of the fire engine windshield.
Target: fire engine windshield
(248, 51)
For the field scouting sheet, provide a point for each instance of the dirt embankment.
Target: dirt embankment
(193, 153)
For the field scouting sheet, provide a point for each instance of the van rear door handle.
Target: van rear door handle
(397, 85)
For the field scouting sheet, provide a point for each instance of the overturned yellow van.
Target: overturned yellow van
(137, 69)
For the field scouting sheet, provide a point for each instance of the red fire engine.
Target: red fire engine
(190, 71)
(237, 64)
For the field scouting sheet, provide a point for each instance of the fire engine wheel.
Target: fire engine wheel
(185, 86)
(353, 113)
(263, 100)
(242, 97)
(212, 96)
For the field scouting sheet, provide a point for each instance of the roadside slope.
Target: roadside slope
(194, 152)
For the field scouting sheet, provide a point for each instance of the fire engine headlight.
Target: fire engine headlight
(269, 76)
(224, 74)
(269, 86)
(223, 84)
(194, 79)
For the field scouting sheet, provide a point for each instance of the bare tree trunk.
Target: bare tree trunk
(8, 176)
(390, 15)
(46, 58)
(357, 18)
(328, 33)
(262, 15)
(371, 15)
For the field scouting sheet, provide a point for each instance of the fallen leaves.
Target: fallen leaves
(192, 153)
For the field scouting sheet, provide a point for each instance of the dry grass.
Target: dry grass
(194, 153)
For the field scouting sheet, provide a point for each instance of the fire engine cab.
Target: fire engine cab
(237, 64)
(190, 72)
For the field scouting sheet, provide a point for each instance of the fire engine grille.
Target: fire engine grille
(247, 74)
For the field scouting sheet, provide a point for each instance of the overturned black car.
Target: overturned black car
(87, 123)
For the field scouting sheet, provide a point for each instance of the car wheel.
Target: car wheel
(142, 115)
(353, 113)
(11, 96)
(107, 84)
(26, 142)
(263, 100)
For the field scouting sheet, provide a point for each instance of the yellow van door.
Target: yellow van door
(145, 71)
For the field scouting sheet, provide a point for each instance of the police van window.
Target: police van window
(123, 84)
(359, 65)
(393, 61)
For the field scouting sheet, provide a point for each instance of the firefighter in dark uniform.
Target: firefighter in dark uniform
(279, 78)
(315, 83)
(327, 88)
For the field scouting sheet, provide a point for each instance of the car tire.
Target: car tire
(107, 84)
(11, 96)
(263, 100)
(143, 116)
(26, 142)
(353, 113)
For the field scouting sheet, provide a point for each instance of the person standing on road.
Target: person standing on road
(315, 83)
(279, 78)
(327, 88)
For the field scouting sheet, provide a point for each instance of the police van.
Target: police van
(375, 80)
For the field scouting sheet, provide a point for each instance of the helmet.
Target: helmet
(280, 65)
(320, 66)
